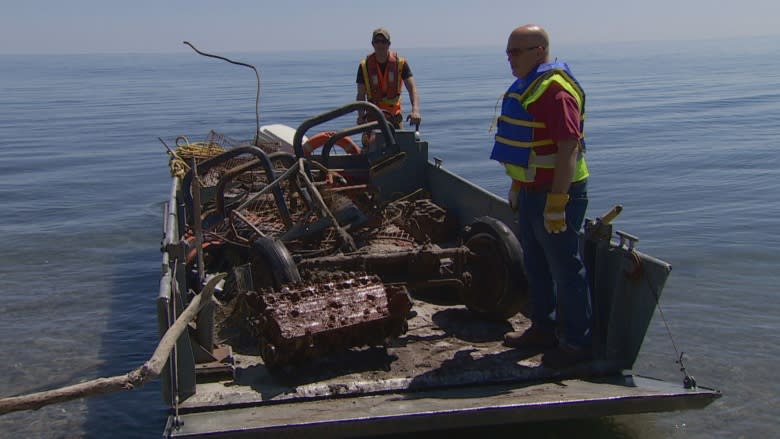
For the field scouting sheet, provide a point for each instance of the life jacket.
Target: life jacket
(515, 145)
(383, 88)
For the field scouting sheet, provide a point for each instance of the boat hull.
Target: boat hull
(450, 368)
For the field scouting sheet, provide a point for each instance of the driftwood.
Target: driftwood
(135, 378)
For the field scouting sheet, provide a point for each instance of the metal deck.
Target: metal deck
(449, 370)
(395, 413)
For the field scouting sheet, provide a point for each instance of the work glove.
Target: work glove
(555, 212)
(512, 197)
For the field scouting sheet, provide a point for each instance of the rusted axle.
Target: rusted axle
(420, 263)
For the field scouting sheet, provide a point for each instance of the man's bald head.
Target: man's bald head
(526, 48)
(531, 34)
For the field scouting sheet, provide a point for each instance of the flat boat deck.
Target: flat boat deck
(450, 362)
(395, 413)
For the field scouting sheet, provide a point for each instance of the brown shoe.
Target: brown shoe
(565, 355)
(532, 338)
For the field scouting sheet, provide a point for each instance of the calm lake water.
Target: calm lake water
(684, 135)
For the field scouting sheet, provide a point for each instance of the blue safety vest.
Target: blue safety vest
(515, 145)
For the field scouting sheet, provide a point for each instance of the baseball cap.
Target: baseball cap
(381, 31)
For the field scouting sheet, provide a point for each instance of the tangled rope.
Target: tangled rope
(186, 151)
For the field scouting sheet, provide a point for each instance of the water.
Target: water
(684, 135)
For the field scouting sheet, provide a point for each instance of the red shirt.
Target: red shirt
(559, 111)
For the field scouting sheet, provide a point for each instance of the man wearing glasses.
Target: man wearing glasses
(540, 142)
(379, 80)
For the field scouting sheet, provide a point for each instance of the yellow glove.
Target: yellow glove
(555, 212)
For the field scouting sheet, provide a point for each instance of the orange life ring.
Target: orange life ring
(346, 143)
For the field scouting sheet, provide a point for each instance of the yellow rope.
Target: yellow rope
(200, 151)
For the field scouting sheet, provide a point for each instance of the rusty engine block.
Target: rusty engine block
(305, 321)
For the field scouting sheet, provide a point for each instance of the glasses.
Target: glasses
(380, 41)
(520, 51)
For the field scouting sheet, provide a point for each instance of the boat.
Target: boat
(367, 292)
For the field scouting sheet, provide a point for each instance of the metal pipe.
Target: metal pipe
(317, 198)
(324, 117)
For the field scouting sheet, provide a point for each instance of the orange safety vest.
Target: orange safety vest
(383, 88)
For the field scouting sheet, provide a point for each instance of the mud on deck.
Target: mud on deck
(445, 346)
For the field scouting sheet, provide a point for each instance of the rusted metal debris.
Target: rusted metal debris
(332, 308)
(292, 232)
(305, 321)
(425, 220)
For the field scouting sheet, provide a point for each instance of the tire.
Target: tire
(272, 264)
(499, 286)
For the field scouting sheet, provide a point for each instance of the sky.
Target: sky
(160, 26)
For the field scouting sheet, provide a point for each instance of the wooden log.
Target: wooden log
(135, 378)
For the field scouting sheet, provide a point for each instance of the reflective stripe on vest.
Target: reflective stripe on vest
(384, 88)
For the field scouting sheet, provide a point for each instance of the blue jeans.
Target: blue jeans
(556, 275)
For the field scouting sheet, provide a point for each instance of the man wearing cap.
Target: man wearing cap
(379, 80)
